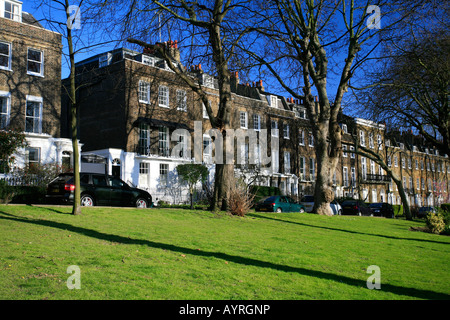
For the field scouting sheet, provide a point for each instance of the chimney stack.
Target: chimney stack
(259, 85)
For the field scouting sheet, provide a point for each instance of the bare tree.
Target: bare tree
(412, 88)
(318, 41)
(214, 35)
(65, 18)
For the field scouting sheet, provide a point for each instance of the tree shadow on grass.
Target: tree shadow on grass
(343, 230)
(402, 291)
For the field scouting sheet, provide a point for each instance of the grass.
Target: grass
(182, 254)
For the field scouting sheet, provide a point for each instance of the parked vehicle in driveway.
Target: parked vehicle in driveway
(356, 207)
(424, 211)
(382, 209)
(308, 202)
(279, 204)
(98, 189)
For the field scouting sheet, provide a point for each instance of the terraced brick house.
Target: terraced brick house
(30, 82)
(136, 114)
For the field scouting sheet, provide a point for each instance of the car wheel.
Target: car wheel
(301, 210)
(87, 200)
(279, 210)
(141, 203)
(340, 212)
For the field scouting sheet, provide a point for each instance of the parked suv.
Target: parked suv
(98, 189)
(356, 207)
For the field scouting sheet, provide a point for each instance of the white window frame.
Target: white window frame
(7, 96)
(344, 151)
(310, 139)
(364, 168)
(287, 162)
(41, 62)
(362, 138)
(274, 128)
(286, 131)
(243, 119)
(275, 161)
(104, 60)
(149, 61)
(8, 67)
(163, 141)
(257, 122)
(207, 148)
(144, 174)
(352, 154)
(353, 176)
(345, 181)
(181, 100)
(16, 16)
(163, 174)
(144, 139)
(39, 117)
(312, 169)
(144, 92)
(301, 137)
(302, 167)
(163, 96)
(27, 152)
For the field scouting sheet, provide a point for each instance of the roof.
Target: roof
(30, 19)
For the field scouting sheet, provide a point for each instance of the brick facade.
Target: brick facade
(132, 103)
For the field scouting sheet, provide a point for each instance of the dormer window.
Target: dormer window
(273, 101)
(207, 81)
(104, 60)
(148, 60)
(12, 10)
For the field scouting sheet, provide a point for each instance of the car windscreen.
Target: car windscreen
(348, 203)
(376, 205)
(308, 199)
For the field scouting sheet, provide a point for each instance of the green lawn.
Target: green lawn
(182, 254)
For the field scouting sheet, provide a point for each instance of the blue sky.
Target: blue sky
(40, 13)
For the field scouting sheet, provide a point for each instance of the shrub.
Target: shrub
(239, 199)
(398, 210)
(6, 192)
(435, 222)
(445, 207)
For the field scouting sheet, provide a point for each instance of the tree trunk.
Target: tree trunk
(323, 192)
(76, 210)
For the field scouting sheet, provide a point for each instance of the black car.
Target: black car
(382, 209)
(97, 189)
(356, 207)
